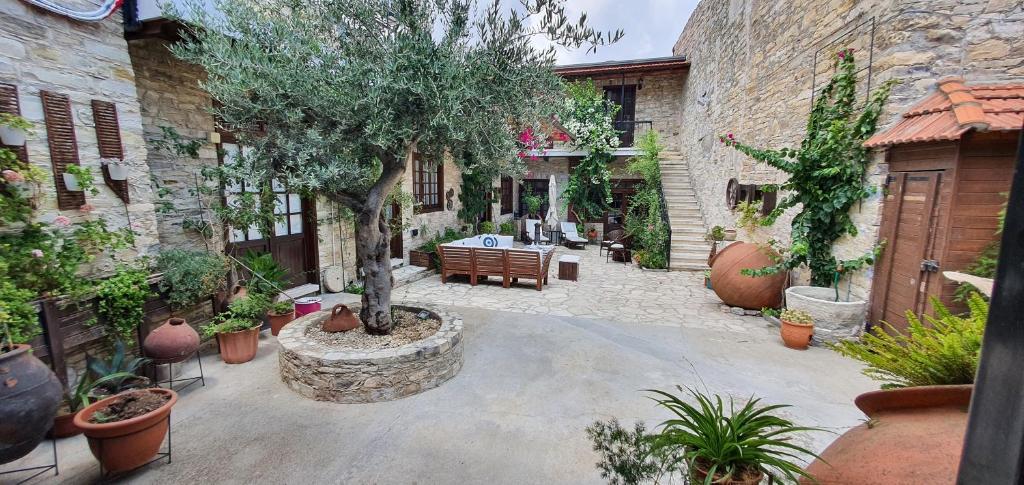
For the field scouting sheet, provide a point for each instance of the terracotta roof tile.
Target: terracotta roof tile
(954, 109)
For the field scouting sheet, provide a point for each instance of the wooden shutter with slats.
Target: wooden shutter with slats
(60, 132)
(9, 104)
(108, 139)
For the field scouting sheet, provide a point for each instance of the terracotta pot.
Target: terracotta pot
(915, 435)
(64, 426)
(341, 320)
(739, 290)
(174, 341)
(237, 293)
(29, 397)
(125, 445)
(239, 347)
(277, 322)
(796, 335)
(699, 472)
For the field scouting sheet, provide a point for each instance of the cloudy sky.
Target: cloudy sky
(651, 27)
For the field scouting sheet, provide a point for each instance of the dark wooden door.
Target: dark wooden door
(539, 188)
(907, 273)
(292, 240)
(393, 214)
(615, 216)
(624, 96)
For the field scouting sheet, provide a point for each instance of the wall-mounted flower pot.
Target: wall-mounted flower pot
(71, 182)
(117, 171)
(29, 397)
(128, 444)
(12, 136)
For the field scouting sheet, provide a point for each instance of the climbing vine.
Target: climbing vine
(826, 176)
(588, 117)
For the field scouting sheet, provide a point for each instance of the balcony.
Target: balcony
(631, 130)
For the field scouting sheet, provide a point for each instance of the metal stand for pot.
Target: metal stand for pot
(41, 469)
(105, 476)
(191, 380)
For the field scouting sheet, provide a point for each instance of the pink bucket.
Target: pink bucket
(307, 305)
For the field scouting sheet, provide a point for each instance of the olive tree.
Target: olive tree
(340, 95)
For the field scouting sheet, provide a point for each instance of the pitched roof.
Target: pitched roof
(632, 65)
(954, 109)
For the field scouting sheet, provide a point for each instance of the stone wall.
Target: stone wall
(659, 100)
(170, 96)
(85, 61)
(429, 224)
(336, 239)
(753, 64)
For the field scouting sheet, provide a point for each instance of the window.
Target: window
(427, 185)
(506, 195)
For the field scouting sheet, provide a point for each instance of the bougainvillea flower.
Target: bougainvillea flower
(62, 221)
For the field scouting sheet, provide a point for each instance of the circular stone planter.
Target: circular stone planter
(345, 375)
(833, 320)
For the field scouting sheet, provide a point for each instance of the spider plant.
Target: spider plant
(721, 448)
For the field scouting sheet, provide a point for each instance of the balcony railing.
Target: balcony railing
(630, 131)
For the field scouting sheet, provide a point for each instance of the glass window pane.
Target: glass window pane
(277, 185)
(254, 233)
(296, 222)
(294, 203)
(281, 226)
(281, 204)
(237, 236)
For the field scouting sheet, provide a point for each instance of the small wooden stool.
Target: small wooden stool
(568, 267)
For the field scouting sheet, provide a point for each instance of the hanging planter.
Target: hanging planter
(12, 136)
(117, 170)
(71, 182)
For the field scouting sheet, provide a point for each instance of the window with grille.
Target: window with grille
(506, 195)
(427, 185)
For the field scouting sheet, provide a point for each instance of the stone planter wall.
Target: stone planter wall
(833, 320)
(325, 373)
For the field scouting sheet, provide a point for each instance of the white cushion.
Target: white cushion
(575, 238)
(617, 246)
(568, 258)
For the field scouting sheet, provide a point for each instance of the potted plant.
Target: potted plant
(280, 314)
(592, 234)
(190, 276)
(238, 329)
(266, 277)
(716, 234)
(729, 235)
(78, 398)
(78, 179)
(117, 169)
(117, 374)
(738, 447)
(707, 279)
(487, 227)
(29, 391)
(797, 328)
(507, 228)
(13, 129)
(917, 422)
(125, 431)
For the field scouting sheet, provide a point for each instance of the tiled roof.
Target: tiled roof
(632, 65)
(954, 109)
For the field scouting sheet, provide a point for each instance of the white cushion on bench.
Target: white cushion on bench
(569, 258)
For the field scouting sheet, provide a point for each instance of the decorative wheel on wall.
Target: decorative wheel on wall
(732, 194)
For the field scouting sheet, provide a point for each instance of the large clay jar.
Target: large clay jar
(126, 445)
(342, 319)
(29, 397)
(915, 435)
(174, 341)
(277, 322)
(239, 347)
(739, 290)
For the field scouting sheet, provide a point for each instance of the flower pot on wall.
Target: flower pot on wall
(914, 435)
(117, 171)
(71, 182)
(12, 136)
(174, 341)
(833, 320)
(125, 445)
(29, 397)
(239, 347)
(739, 290)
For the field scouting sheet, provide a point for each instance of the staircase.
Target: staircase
(689, 248)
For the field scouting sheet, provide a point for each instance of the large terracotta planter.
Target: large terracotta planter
(736, 289)
(29, 397)
(239, 347)
(796, 335)
(277, 322)
(915, 435)
(125, 445)
(174, 341)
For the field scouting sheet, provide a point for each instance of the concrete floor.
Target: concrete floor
(516, 412)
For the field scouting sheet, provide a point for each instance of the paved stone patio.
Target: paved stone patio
(614, 291)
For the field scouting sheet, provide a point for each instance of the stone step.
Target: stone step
(690, 247)
(300, 291)
(408, 274)
(688, 267)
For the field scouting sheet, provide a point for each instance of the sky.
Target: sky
(650, 26)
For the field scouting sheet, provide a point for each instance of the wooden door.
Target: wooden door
(907, 273)
(615, 216)
(625, 97)
(539, 188)
(393, 214)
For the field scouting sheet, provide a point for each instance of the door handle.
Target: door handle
(930, 265)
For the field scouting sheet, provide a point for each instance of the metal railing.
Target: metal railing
(630, 131)
(668, 226)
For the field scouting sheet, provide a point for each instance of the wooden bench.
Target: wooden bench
(490, 262)
(456, 260)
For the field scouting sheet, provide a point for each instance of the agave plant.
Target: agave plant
(118, 374)
(720, 447)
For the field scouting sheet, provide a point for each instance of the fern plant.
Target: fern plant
(945, 349)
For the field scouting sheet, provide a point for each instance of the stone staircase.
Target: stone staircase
(689, 248)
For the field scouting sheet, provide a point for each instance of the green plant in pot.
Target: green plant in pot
(507, 228)
(280, 314)
(238, 329)
(917, 422)
(120, 300)
(191, 276)
(77, 398)
(797, 329)
(487, 227)
(266, 278)
(116, 374)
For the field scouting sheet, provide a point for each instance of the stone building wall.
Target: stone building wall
(429, 224)
(85, 61)
(336, 239)
(170, 96)
(751, 75)
(659, 100)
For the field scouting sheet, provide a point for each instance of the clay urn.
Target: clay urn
(739, 290)
(126, 445)
(172, 342)
(914, 435)
(341, 320)
(29, 397)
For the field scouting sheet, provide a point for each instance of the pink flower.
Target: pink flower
(37, 253)
(12, 176)
(86, 208)
(521, 154)
(62, 221)
(730, 136)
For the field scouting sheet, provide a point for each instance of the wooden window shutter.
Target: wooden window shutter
(440, 185)
(108, 138)
(60, 131)
(9, 104)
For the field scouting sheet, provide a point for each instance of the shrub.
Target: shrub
(507, 228)
(487, 227)
(120, 300)
(268, 278)
(946, 350)
(282, 307)
(355, 289)
(18, 317)
(190, 276)
(644, 220)
(716, 233)
(626, 456)
(252, 307)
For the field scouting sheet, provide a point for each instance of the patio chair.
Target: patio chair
(491, 262)
(570, 236)
(456, 260)
(610, 239)
(525, 263)
(528, 228)
(621, 247)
